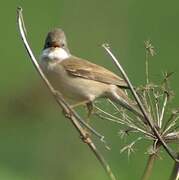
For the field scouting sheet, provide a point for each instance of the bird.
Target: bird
(80, 81)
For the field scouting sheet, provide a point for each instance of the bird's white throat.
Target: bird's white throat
(54, 54)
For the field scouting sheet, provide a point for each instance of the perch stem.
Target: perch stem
(72, 116)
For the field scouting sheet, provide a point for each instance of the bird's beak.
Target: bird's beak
(55, 44)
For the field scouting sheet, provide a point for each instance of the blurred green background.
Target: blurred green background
(36, 141)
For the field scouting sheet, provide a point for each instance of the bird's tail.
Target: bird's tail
(120, 97)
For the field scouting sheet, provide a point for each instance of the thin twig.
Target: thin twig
(163, 110)
(136, 120)
(149, 166)
(169, 120)
(171, 125)
(157, 111)
(147, 66)
(150, 105)
(136, 97)
(61, 102)
(175, 172)
(118, 120)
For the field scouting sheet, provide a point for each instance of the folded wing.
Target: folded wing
(85, 69)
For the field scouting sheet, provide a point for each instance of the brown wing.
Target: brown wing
(85, 69)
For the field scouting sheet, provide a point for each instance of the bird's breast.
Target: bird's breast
(74, 88)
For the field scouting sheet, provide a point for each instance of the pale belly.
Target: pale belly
(77, 89)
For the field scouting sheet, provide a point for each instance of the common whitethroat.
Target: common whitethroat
(78, 80)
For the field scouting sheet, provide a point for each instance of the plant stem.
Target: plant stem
(70, 113)
(147, 67)
(150, 162)
(175, 172)
(149, 167)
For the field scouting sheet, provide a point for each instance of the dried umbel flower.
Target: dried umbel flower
(149, 48)
(155, 99)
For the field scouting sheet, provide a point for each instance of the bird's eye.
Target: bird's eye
(62, 45)
(47, 44)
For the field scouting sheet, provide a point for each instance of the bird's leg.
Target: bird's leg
(79, 104)
(89, 106)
